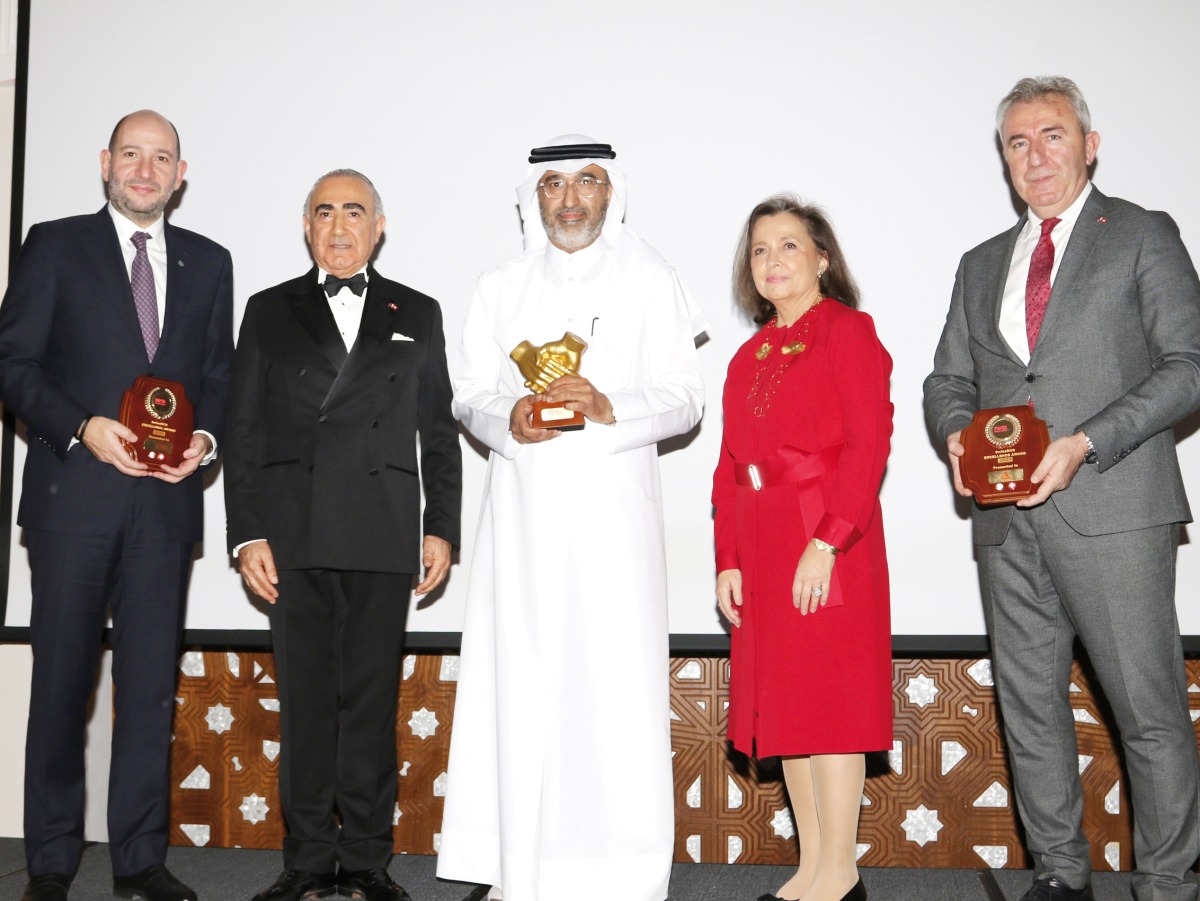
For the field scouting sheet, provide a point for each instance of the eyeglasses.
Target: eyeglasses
(585, 187)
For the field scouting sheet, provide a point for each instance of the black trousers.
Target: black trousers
(338, 639)
(143, 577)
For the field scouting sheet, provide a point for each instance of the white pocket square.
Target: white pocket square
(396, 336)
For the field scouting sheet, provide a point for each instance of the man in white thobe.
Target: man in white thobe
(560, 783)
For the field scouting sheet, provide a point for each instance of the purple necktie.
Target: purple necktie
(141, 279)
(1037, 286)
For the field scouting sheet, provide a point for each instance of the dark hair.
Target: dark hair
(837, 282)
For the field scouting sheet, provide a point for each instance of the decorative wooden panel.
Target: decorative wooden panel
(940, 798)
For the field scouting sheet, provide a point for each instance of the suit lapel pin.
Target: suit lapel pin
(1101, 220)
(179, 263)
(393, 307)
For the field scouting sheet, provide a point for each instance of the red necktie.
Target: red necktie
(145, 298)
(1037, 286)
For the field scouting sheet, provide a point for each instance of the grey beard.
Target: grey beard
(571, 240)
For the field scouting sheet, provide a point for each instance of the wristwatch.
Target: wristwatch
(825, 546)
(1090, 456)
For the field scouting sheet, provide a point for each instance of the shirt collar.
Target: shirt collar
(322, 275)
(126, 227)
(579, 262)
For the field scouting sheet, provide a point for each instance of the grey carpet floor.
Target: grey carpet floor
(224, 874)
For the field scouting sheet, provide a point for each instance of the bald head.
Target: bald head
(141, 166)
(151, 114)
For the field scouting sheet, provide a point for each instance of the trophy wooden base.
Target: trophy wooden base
(556, 416)
(1003, 446)
(159, 413)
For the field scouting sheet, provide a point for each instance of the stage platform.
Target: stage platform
(232, 874)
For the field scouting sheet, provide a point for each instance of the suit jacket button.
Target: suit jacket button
(301, 372)
(322, 418)
(372, 472)
(1029, 376)
(392, 377)
(374, 423)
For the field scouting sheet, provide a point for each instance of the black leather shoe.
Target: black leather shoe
(152, 884)
(47, 887)
(1051, 888)
(858, 893)
(299, 885)
(371, 885)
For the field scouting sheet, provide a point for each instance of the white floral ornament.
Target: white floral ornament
(254, 809)
(921, 690)
(921, 825)
(219, 718)
(423, 723)
(782, 825)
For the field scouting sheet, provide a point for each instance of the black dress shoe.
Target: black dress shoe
(298, 885)
(371, 885)
(858, 893)
(47, 887)
(1051, 888)
(152, 884)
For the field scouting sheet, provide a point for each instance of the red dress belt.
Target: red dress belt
(788, 464)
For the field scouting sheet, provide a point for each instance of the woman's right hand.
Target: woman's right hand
(729, 594)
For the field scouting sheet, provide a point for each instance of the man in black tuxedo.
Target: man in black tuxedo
(80, 321)
(337, 373)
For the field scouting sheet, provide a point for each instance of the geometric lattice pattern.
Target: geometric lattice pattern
(940, 798)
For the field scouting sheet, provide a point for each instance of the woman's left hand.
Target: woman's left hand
(810, 588)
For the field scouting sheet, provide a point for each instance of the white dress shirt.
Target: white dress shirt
(1012, 304)
(347, 307)
(156, 250)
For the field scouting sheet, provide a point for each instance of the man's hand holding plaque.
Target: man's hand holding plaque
(1001, 450)
(160, 416)
(543, 366)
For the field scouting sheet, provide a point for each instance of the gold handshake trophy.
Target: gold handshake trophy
(541, 366)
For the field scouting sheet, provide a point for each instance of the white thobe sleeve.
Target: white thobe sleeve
(672, 399)
(481, 402)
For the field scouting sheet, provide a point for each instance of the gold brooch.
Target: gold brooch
(796, 347)
(765, 351)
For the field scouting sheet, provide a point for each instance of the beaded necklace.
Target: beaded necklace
(770, 369)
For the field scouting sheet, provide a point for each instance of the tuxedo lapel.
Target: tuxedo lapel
(374, 328)
(1065, 296)
(311, 308)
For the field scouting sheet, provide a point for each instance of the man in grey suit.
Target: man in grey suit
(1089, 310)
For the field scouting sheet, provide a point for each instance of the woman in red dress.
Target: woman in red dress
(801, 570)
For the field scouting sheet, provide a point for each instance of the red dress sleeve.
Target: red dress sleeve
(861, 372)
(725, 518)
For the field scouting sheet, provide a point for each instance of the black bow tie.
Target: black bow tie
(356, 283)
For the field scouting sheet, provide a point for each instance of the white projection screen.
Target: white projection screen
(882, 112)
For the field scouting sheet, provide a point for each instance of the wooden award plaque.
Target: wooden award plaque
(1003, 446)
(158, 411)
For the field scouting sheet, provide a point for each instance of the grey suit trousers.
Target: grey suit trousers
(1045, 585)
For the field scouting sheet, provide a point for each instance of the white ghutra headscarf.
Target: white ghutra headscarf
(549, 159)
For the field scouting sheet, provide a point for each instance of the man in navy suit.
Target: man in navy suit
(338, 373)
(103, 530)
